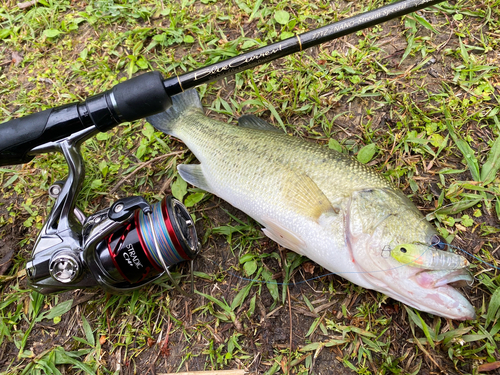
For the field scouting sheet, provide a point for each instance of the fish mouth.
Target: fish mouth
(437, 278)
(439, 293)
(431, 291)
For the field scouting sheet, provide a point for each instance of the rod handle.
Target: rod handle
(19, 136)
(130, 100)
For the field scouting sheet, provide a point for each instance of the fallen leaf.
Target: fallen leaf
(17, 58)
(164, 349)
(308, 267)
(151, 342)
(488, 366)
(27, 4)
(6, 255)
(391, 309)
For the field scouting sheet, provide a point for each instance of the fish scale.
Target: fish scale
(315, 201)
(216, 144)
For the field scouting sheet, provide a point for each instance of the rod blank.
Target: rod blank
(300, 42)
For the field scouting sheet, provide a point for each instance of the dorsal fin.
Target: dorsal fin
(253, 122)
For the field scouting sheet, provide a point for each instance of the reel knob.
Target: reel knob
(64, 266)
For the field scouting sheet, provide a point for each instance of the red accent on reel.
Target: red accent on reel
(112, 254)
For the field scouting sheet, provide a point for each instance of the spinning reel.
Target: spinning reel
(120, 248)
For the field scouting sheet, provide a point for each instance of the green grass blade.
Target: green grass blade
(466, 151)
(497, 207)
(457, 207)
(222, 305)
(424, 22)
(419, 322)
(88, 331)
(63, 357)
(470, 158)
(409, 47)
(243, 293)
(493, 308)
(463, 51)
(271, 284)
(255, 9)
(58, 310)
(492, 164)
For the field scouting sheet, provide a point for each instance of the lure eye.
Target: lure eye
(438, 242)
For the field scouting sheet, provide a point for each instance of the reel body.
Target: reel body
(119, 249)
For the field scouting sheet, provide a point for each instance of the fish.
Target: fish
(315, 201)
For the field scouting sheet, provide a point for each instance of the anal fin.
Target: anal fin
(283, 236)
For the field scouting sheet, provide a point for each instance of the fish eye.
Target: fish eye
(438, 242)
(403, 250)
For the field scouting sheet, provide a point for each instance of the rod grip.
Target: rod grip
(19, 136)
(140, 97)
(130, 100)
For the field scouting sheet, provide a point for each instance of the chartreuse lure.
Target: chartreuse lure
(427, 257)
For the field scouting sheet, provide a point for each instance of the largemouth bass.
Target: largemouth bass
(317, 202)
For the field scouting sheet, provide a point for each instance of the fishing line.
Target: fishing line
(474, 256)
(271, 282)
(343, 273)
(168, 247)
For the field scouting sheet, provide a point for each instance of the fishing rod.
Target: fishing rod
(148, 94)
(131, 243)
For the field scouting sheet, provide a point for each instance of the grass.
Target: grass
(416, 98)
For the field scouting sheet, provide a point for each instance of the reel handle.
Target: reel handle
(130, 100)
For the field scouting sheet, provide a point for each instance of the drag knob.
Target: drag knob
(64, 266)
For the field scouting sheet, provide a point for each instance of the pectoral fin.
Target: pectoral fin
(303, 196)
(193, 174)
(306, 197)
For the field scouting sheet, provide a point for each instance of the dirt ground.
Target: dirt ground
(135, 339)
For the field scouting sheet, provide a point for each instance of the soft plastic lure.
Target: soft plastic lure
(424, 256)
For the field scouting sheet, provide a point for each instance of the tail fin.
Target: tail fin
(165, 121)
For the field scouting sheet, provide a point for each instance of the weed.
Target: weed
(416, 98)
